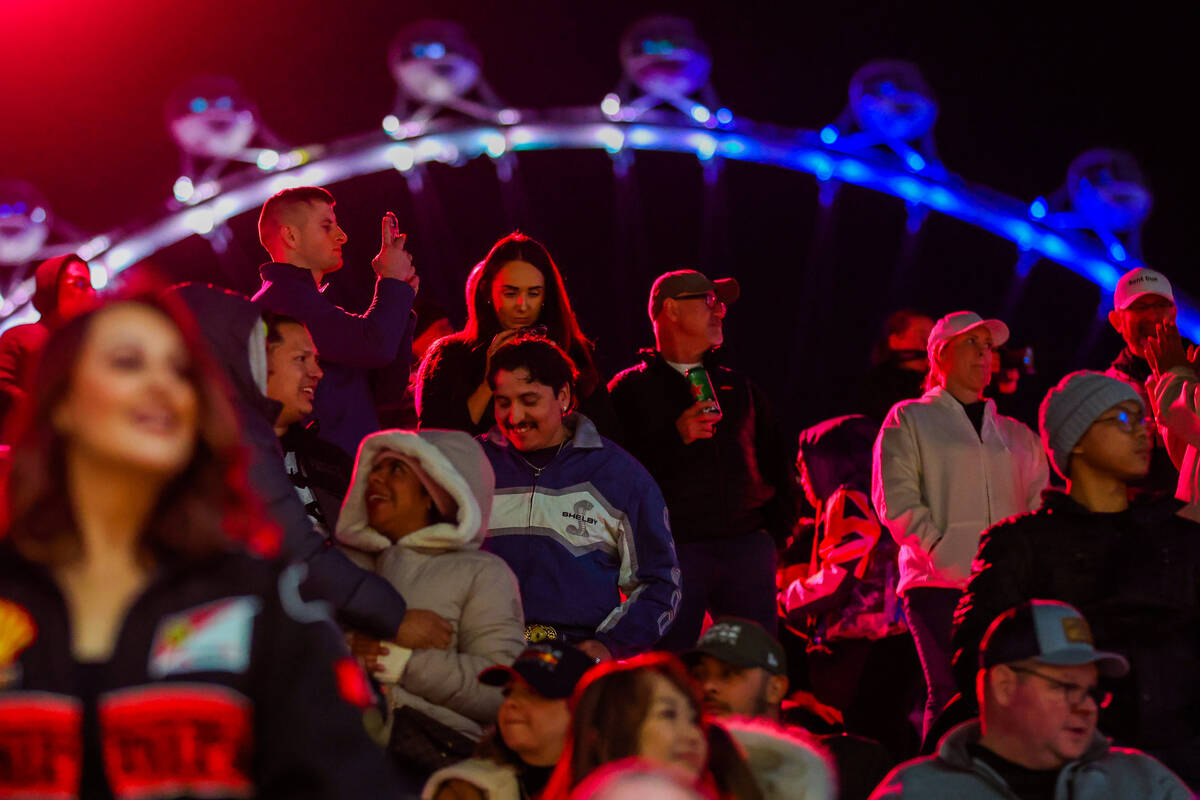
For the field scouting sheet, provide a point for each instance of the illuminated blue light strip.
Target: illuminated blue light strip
(587, 128)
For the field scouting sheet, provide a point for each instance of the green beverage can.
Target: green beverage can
(702, 389)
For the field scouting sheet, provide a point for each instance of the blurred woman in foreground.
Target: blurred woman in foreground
(142, 649)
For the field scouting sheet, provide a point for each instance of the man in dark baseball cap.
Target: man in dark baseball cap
(1039, 698)
(741, 669)
(709, 439)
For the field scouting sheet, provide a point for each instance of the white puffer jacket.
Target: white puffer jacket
(441, 568)
(937, 484)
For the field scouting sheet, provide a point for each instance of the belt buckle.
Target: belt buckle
(536, 633)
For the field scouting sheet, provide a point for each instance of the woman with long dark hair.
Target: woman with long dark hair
(517, 287)
(142, 647)
(647, 706)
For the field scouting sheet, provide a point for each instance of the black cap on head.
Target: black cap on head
(741, 643)
(552, 670)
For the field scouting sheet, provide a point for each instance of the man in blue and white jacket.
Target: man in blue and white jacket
(579, 520)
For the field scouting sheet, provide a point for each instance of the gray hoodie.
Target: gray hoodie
(1101, 773)
(441, 568)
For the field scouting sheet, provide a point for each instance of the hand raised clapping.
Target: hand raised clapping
(1165, 349)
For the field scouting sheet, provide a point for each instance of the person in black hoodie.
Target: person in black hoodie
(63, 291)
(1131, 567)
(233, 328)
(726, 477)
(1142, 300)
(146, 646)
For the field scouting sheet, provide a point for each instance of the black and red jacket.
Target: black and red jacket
(223, 683)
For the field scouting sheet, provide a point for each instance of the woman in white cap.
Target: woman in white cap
(946, 466)
(417, 512)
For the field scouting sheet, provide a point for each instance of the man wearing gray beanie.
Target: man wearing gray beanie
(1131, 567)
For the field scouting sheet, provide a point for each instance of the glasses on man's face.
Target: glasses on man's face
(710, 299)
(1073, 693)
(1156, 306)
(1128, 420)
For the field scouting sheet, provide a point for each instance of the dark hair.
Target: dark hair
(896, 323)
(283, 201)
(202, 511)
(557, 316)
(545, 360)
(428, 312)
(274, 322)
(608, 709)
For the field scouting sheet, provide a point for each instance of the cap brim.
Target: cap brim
(996, 328)
(1133, 298)
(1110, 665)
(497, 676)
(728, 290)
(730, 657)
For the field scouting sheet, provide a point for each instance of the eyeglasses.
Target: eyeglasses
(1127, 421)
(710, 299)
(1073, 693)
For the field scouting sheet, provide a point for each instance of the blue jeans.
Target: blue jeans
(733, 576)
(929, 612)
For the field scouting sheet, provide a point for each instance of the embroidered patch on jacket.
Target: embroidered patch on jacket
(41, 746)
(214, 637)
(17, 631)
(177, 739)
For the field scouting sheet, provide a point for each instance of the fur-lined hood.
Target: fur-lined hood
(786, 765)
(452, 458)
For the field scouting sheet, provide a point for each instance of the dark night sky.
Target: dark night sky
(1021, 94)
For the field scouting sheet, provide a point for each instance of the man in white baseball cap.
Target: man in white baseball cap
(1143, 300)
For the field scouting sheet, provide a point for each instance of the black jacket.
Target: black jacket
(738, 482)
(361, 599)
(223, 683)
(1135, 576)
(324, 469)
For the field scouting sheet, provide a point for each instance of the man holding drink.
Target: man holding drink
(707, 435)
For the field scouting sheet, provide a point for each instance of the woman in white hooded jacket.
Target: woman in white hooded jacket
(416, 513)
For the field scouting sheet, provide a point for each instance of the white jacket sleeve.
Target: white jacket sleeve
(491, 631)
(1038, 471)
(1174, 397)
(896, 483)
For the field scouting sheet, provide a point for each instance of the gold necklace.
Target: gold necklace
(537, 471)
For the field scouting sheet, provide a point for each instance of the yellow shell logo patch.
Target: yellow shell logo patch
(17, 631)
(1076, 630)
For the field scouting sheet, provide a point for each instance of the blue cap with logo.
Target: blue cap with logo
(1049, 632)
